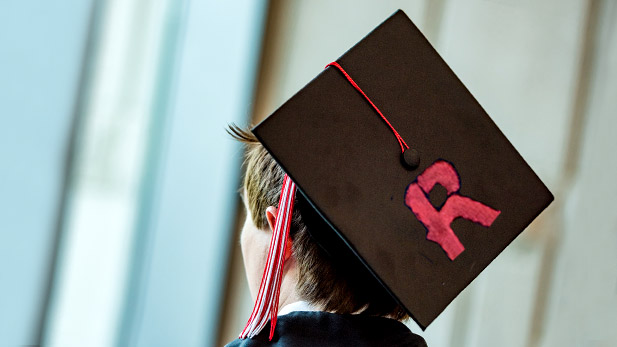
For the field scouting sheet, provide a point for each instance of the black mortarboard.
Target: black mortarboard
(425, 223)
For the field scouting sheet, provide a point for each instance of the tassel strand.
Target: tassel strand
(267, 303)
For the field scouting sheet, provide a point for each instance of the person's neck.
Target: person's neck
(289, 293)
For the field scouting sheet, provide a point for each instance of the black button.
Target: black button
(411, 158)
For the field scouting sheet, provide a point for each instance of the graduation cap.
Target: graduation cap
(404, 167)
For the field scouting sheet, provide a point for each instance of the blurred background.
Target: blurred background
(119, 213)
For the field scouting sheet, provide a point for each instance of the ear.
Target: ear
(271, 213)
(271, 217)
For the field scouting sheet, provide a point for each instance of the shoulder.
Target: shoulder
(328, 329)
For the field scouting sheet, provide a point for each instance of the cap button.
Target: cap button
(411, 158)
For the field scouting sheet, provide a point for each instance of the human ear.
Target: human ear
(271, 217)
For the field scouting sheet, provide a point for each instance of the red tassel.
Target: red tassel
(267, 303)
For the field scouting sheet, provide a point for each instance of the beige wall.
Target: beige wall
(546, 72)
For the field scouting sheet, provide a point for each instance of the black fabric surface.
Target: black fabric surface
(328, 329)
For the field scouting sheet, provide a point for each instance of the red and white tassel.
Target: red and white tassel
(267, 303)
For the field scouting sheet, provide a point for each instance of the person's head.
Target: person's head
(333, 285)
